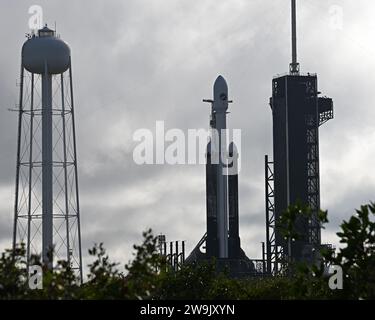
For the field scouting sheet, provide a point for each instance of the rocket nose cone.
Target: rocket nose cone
(220, 78)
(220, 86)
(220, 94)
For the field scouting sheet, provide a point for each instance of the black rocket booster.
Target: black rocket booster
(212, 247)
(234, 243)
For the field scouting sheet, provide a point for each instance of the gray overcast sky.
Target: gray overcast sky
(139, 61)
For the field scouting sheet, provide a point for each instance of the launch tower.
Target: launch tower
(298, 111)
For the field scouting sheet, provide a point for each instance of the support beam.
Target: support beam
(47, 169)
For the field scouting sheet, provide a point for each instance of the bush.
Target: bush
(146, 276)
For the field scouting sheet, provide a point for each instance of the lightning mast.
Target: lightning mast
(294, 66)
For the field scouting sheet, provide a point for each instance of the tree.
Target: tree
(357, 257)
(147, 276)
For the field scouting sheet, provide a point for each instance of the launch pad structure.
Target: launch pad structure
(291, 177)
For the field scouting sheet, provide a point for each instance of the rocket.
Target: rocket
(222, 240)
(221, 188)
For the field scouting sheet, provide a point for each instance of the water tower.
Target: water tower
(47, 215)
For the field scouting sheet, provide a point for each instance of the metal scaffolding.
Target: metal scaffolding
(175, 257)
(275, 256)
(30, 220)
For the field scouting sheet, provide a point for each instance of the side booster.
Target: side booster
(234, 232)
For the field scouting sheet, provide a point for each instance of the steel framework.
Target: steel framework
(313, 185)
(313, 122)
(28, 212)
(275, 256)
(175, 258)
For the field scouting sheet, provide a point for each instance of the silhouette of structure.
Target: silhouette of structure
(47, 215)
(219, 242)
(173, 252)
(293, 175)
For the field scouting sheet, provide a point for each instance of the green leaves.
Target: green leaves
(13, 273)
(146, 276)
(290, 218)
(323, 217)
(357, 257)
(144, 269)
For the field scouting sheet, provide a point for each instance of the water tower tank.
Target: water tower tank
(45, 50)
